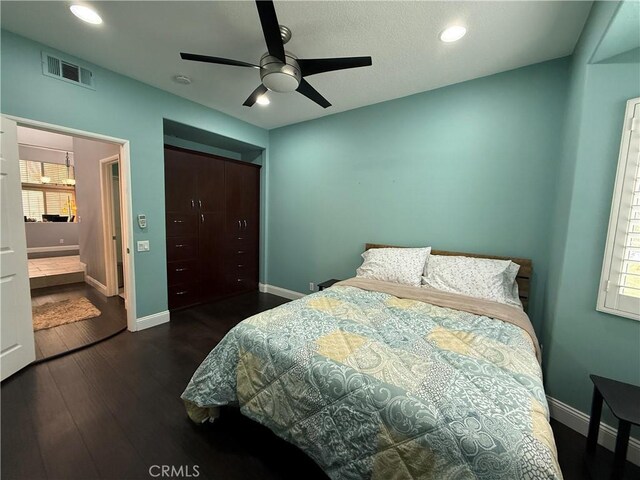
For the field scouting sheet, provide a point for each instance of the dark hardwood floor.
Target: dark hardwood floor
(58, 340)
(113, 411)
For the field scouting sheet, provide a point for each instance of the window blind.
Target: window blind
(620, 282)
(58, 202)
(32, 172)
(33, 204)
(57, 173)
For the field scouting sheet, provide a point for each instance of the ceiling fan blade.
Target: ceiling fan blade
(261, 90)
(308, 91)
(221, 61)
(271, 28)
(321, 65)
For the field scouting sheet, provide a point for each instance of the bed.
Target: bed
(375, 380)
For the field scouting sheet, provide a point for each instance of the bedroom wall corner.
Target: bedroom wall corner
(578, 339)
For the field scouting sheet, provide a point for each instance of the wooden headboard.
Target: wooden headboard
(523, 278)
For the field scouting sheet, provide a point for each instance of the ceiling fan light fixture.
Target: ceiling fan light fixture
(453, 33)
(281, 71)
(278, 76)
(86, 14)
(263, 100)
(280, 82)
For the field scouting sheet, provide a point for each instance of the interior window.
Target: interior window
(620, 282)
(48, 191)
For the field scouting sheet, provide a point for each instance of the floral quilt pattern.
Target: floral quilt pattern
(372, 386)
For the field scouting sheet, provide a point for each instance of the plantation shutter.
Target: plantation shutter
(620, 287)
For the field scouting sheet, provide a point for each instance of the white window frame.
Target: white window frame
(609, 299)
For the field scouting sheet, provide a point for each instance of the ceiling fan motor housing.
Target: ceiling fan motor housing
(278, 76)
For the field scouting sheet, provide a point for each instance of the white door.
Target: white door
(18, 348)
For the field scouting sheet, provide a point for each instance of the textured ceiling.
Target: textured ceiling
(143, 39)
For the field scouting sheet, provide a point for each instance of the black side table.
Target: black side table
(327, 284)
(623, 400)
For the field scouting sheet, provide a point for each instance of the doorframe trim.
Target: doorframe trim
(108, 225)
(125, 201)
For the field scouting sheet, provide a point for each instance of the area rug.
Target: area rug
(63, 312)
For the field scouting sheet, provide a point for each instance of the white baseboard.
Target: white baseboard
(281, 292)
(152, 320)
(95, 283)
(57, 248)
(579, 421)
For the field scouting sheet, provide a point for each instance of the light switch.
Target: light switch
(143, 245)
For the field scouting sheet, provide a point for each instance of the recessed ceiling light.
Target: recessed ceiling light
(183, 79)
(86, 14)
(263, 100)
(453, 34)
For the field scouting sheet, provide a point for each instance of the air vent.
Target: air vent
(86, 77)
(54, 66)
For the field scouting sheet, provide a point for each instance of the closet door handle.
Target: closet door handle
(181, 269)
(245, 224)
(240, 266)
(240, 251)
(239, 279)
(239, 224)
(202, 217)
(193, 204)
(178, 221)
(200, 203)
(180, 245)
(182, 292)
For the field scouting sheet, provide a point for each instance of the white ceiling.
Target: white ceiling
(143, 40)
(41, 138)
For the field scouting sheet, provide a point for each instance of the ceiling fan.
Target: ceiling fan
(281, 71)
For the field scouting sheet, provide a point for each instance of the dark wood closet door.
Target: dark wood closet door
(251, 203)
(233, 201)
(211, 185)
(242, 200)
(181, 228)
(211, 258)
(180, 173)
(211, 207)
(242, 226)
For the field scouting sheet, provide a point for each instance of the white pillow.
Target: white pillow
(399, 265)
(476, 277)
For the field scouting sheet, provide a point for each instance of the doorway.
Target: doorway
(111, 195)
(71, 206)
(90, 328)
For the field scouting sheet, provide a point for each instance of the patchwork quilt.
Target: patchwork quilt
(375, 386)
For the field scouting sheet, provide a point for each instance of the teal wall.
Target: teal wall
(124, 108)
(199, 147)
(579, 340)
(470, 167)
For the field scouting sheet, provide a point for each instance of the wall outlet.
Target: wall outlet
(62, 240)
(312, 287)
